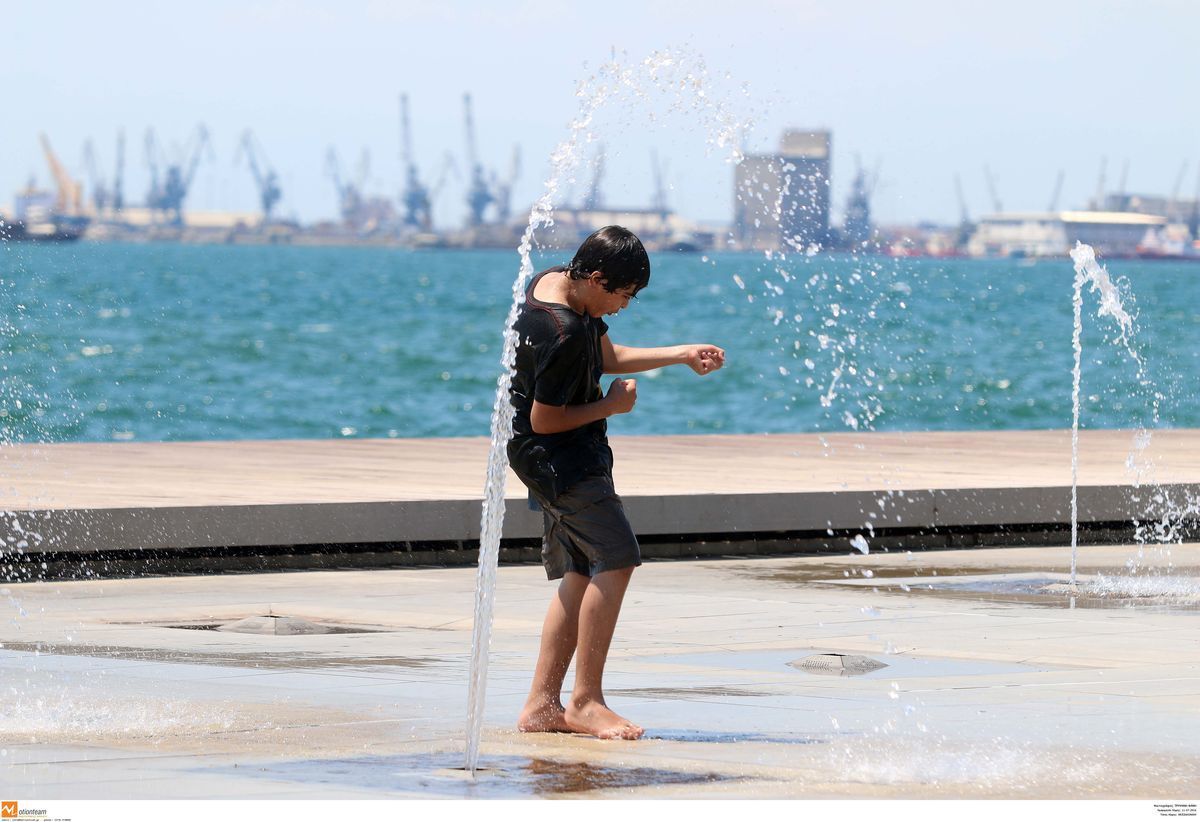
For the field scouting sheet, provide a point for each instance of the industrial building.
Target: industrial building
(782, 200)
(659, 230)
(1183, 212)
(1053, 234)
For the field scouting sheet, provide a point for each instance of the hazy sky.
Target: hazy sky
(922, 88)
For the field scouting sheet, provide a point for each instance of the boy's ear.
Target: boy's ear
(598, 278)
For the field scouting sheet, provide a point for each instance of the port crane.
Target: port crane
(99, 189)
(479, 195)
(449, 168)
(991, 184)
(167, 195)
(503, 188)
(418, 207)
(1194, 219)
(857, 226)
(264, 176)
(1058, 183)
(1173, 205)
(965, 227)
(154, 193)
(658, 172)
(350, 199)
(594, 199)
(1098, 203)
(118, 192)
(70, 191)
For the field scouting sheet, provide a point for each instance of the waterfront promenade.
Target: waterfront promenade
(427, 492)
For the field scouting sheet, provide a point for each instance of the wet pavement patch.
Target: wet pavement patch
(729, 737)
(1161, 594)
(281, 660)
(271, 625)
(443, 774)
(683, 693)
(1097, 588)
(898, 665)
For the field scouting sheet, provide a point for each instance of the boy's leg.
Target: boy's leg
(586, 711)
(543, 709)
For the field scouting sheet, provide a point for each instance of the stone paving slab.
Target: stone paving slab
(117, 496)
(982, 697)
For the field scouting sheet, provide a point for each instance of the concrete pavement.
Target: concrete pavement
(984, 694)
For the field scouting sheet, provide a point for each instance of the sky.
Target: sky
(919, 91)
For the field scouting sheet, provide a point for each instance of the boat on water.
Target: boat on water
(55, 229)
(1172, 242)
(44, 216)
(1054, 234)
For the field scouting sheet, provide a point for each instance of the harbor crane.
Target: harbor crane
(1194, 218)
(264, 176)
(857, 228)
(965, 227)
(1098, 203)
(1058, 183)
(1173, 206)
(70, 191)
(118, 191)
(594, 199)
(503, 188)
(658, 171)
(154, 193)
(449, 168)
(418, 208)
(479, 195)
(1118, 200)
(99, 189)
(991, 184)
(350, 198)
(168, 195)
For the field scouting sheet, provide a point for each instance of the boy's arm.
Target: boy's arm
(554, 419)
(624, 359)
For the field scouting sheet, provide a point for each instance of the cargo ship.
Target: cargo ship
(55, 229)
(43, 216)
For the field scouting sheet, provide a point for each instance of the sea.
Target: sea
(110, 342)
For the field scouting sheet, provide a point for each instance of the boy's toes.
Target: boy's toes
(626, 730)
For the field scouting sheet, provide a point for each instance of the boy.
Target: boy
(560, 451)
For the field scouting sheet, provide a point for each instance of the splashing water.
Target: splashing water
(684, 79)
(80, 711)
(1181, 590)
(1087, 270)
(28, 414)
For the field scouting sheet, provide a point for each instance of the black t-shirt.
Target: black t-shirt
(559, 362)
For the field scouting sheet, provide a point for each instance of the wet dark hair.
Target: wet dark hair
(616, 253)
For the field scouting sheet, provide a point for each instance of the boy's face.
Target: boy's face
(603, 302)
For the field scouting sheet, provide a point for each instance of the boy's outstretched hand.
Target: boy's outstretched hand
(704, 359)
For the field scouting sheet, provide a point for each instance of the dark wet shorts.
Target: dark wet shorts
(586, 530)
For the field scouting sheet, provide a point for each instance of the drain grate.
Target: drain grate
(274, 625)
(837, 664)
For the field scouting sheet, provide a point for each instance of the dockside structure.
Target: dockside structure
(781, 201)
(1053, 234)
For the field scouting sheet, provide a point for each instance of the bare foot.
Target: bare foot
(543, 716)
(590, 716)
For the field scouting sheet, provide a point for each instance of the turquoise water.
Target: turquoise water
(166, 342)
